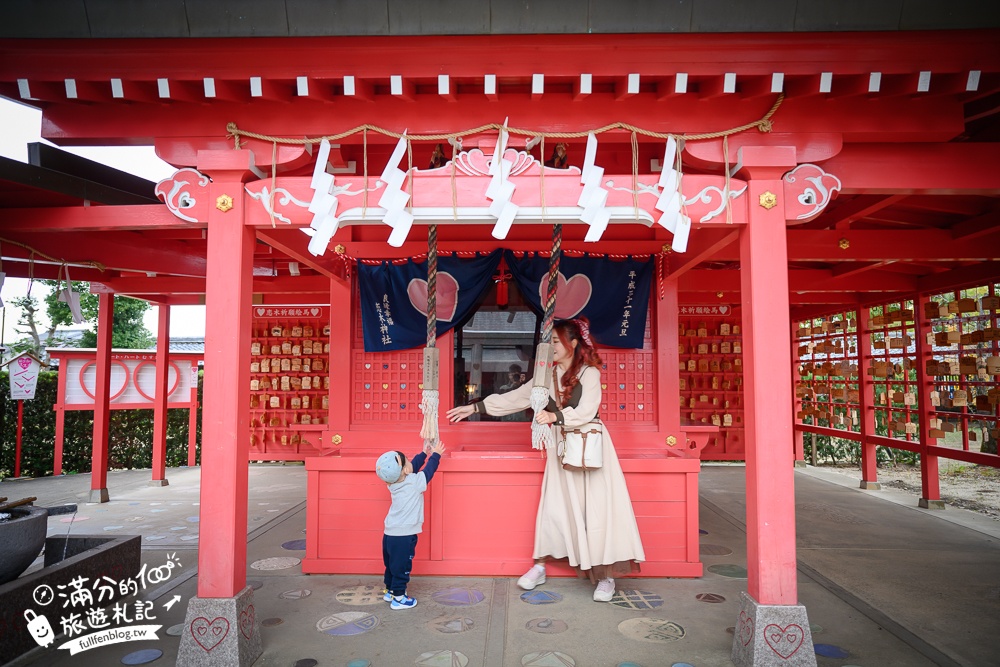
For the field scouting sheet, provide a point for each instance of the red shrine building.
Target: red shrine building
(781, 226)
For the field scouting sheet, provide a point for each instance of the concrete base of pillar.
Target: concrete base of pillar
(99, 496)
(221, 632)
(931, 504)
(871, 486)
(800, 464)
(159, 482)
(770, 635)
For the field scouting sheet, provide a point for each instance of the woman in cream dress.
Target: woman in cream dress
(584, 517)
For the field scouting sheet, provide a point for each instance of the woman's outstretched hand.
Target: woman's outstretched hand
(460, 412)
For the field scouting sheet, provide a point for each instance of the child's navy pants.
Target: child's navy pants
(397, 554)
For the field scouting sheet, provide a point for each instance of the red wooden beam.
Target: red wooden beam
(121, 251)
(293, 243)
(94, 219)
(904, 168)
(177, 287)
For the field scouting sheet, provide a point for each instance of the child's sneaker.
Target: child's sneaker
(386, 595)
(533, 577)
(403, 602)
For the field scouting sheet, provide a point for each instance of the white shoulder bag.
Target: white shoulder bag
(583, 447)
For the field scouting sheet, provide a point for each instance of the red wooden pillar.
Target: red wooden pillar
(767, 371)
(667, 364)
(869, 468)
(930, 485)
(798, 436)
(102, 400)
(193, 421)
(160, 397)
(339, 360)
(222, 548)
(60, 408)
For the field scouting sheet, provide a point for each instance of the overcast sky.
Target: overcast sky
(21, 125)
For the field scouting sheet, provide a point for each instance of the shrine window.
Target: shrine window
(494, 350)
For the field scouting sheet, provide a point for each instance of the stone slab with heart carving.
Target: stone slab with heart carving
(220, 631)
(767, 635)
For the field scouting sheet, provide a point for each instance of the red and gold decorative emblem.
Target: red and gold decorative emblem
(224, 203)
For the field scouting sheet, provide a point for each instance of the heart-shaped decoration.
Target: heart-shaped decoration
(260, 312)
(368, 406)
(723, 309)
(314, 311)
(640, 406)
(573, 294)
(745, 629)
(24, 362)
(621, 385)
(639, 366)
(367, 366)
(621, 366)
(604, 385)
(403, 366)
(402, 385)
(385, 385)
(784, 641)
(447, 295)
(421, 385)
(402, 406)
(209, 634)
(385, 406)
(639, 386)
(247, 617)
(368, 385)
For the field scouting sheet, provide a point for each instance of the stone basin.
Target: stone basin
(21, 539)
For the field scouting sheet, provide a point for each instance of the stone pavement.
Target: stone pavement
(884, 583)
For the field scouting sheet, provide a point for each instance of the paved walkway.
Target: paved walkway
(884, 583)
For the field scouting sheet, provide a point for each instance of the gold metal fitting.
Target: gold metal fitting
(768, 200)
(339, 249)
(224, 203)
(671, 440)
(336, 439)
(667, 249)
(718, 294)
(844, 244)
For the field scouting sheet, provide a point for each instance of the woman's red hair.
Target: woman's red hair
(584, 353)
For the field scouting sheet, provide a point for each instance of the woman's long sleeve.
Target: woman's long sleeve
(499, 405)
(590, 400)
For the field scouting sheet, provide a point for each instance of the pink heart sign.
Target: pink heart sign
(447, 295)
(209, 634)
(24, 362)
(260, 312)
(783, 641)
(572, 295)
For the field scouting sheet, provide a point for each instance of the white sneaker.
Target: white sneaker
(605, 590)
(533, 577)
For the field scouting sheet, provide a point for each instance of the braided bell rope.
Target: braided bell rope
(762, 124)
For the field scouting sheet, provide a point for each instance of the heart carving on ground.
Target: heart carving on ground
(783, 641)
(447, 295)
(209, 634)
(572, 295)
(746, 628)
(247, 622)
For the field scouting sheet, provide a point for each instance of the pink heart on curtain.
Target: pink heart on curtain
(572, 295)
(447, 295)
